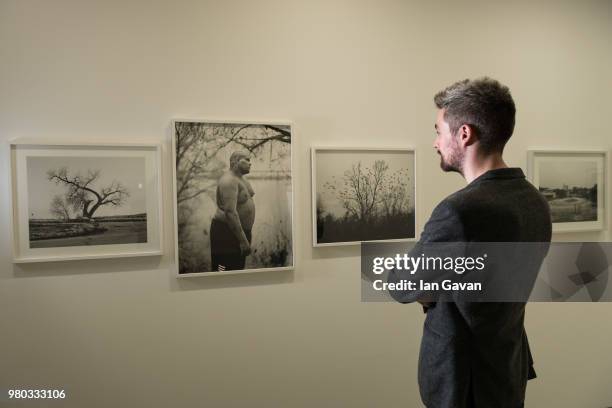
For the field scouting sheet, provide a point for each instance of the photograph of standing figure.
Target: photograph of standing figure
(231, 226)
(233, 190)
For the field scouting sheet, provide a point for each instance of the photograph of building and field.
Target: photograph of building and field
(570, 187)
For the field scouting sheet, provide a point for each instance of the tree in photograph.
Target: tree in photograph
(269, 134)
(197, 145)
(395, 194)
(60, 209)
(362, 189)
(83, 196)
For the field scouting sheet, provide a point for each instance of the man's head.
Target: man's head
(240, 162)
(476, 114)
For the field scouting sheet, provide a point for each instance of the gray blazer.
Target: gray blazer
(476, 354)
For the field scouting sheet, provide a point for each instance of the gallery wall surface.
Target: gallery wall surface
(127, 332)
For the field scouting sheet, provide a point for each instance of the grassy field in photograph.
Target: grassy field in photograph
(100, 231)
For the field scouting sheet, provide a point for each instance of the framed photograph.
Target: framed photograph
(574, 184)
(363, 194)
(75, 201)
(233, 197)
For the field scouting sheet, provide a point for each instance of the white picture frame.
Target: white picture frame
(125, 223)
(260, 260)
(574, 182)
(324, 170)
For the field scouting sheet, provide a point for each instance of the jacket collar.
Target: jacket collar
(506, 173)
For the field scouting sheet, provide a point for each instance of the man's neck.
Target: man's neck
(478, 165)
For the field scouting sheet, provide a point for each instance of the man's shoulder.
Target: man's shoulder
(494, 193)
(499, 210)
(227, 179)
(451, 204)
(445, 223)
(459, 201)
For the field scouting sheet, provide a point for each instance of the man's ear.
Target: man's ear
(467, 135)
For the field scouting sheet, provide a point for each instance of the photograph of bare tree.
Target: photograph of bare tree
(233, 191)
(75, 201)
(362, 195)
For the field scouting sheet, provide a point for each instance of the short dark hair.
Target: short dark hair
(484, 104)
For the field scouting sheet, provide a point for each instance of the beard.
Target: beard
(452, 163)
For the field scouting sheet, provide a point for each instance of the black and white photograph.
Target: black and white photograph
(362, 194)
(573, 185)
(80, 202)
(233, 197)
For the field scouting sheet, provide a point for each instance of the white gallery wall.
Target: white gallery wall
(346, 73)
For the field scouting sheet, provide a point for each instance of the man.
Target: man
(476, 355)
(230, 228)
